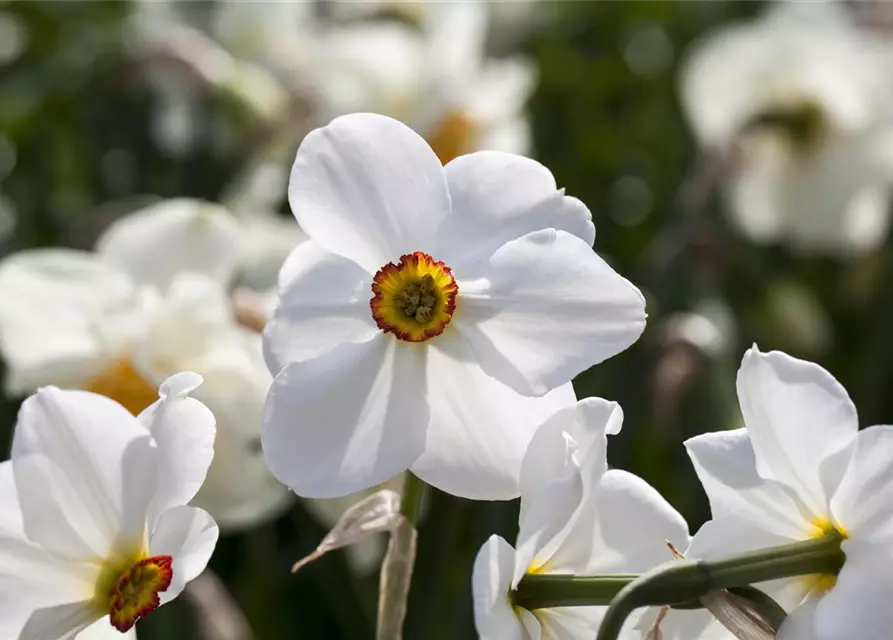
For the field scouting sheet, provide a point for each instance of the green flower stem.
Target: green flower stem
(411, 501)
(690, 579)
(680, 582)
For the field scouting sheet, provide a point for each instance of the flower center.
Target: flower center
(803, 123)
(453, 136)
(121, 382)
(129, 590)
(415, 298)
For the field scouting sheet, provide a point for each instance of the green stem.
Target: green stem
(411, 501)
(690, 579)
(680, 582)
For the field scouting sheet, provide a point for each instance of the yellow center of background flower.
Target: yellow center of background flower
(121, 382)
(128, 587)
(453, 136)
(415, 298)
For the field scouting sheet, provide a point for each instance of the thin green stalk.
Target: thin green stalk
(413, 493)
(677, 583)
(690, 579)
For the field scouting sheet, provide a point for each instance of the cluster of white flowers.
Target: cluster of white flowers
(801, 100)
(435, 304)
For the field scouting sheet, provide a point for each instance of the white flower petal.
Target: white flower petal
(368, 188)
(347, 420)
(324, 302)
(96, 463)
(102, 629)
(632, 524)
(184, 430)
(30, 577)
(863, 502)
(859, 604)
(479, 428)
(498, 197)
(800, 623)
(491, 580)
(62, 621)
(574, 623)
(549, 453)
(727, 469)
(188, 535)
(550, 514)
(51, 300)
(796, 415)
(546, 309)
(171, 237)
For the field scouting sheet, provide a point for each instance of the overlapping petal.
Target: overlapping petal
(82, 459)
(171, 237)
(864, 500)
(499, 197)
(324, 301)
(796, 415)
(368, 188)
(545, 310)
(479, 428)
(184, 430)
(859, 603)
(52, 299)
(347, 420)
(491, 579)
(188, 535)
(727, 468)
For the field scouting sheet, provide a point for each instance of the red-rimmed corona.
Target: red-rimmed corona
(414, 299)
(133, 593)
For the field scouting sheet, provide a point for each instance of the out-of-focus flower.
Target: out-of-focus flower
(803, 102)
(150, 302)
(577, 517)
(798, 470)
(95, 528)
(427, 303)
(437, 79)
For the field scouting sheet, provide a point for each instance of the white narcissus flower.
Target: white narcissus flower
(150, 302)
(437, 79)
(808, 100)
(427, 303)
(94, 522)
(577, 517)
(799, 469)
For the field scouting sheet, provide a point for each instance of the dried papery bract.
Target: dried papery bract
(742, 617)
(378, 513)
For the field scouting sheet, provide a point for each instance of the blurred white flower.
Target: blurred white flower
(804, 101)
(577, 517)
(94, 527)
(494, 293)
(437, 79)
(800, 469)
(150, 302)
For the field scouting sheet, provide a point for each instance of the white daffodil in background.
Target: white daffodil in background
(804, 101)
(149, 302)
(436, 78)
(577, 517)
(94, 527)
(799, 469)
(435, 316)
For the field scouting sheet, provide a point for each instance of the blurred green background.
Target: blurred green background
(75, 134)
